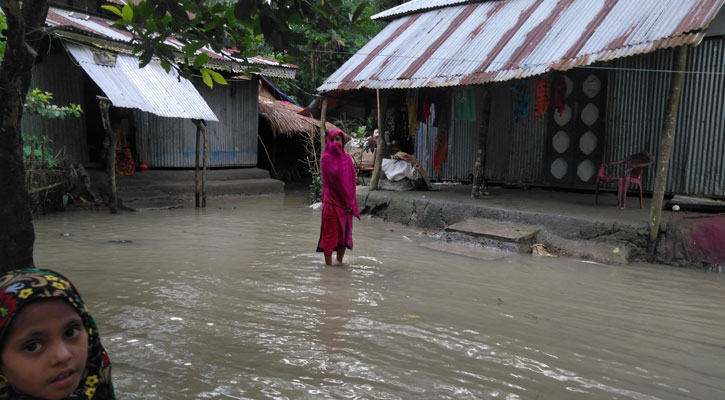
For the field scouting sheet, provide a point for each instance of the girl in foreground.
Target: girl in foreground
(339, 202)
(49, 343)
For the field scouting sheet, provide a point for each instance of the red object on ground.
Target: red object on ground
(696, 238)
(634, 164)
(143, 166)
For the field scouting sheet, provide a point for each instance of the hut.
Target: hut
(86, 57)
(570, 85)
(288, 138)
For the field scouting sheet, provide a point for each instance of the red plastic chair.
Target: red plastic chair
(634, 165)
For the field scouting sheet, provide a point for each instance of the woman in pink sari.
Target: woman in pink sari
(339, 202)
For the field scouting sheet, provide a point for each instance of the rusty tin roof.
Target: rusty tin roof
(434, 43)
(98, 31)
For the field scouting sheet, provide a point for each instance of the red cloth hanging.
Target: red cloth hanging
(543, 96)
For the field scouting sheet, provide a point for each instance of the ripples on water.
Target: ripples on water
(232, 302)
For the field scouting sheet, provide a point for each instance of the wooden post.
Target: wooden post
(665, 150)
(104, 105)
(205, 161)
(323, 123)
(381, 143)
(271, 163)
(483, 115)
(196, 163)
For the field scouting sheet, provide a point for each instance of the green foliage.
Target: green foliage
(3, 34)
(358, 127)
(327, 48)
(38, 102)
(239, 28)
(315, 186)
(37, 152)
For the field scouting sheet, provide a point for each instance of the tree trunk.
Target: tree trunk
(17, 234)
(104, 104)
(484, 114)
(381, 144)
(665, 150)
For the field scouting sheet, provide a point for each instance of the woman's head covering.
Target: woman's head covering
(338, 174)
(20, 288)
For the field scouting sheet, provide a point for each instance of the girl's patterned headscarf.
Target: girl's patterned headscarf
(18, 289)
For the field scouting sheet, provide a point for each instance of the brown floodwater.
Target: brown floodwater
(233, 302)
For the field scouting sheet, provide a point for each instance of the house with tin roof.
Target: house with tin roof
(572, 84)
(85, 57)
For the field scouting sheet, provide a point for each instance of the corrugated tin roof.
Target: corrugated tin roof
(416, 6)
(490, 41)
(99, 27)
(149, 89)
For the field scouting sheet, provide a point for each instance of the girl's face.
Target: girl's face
(46, 350)
(337, 139)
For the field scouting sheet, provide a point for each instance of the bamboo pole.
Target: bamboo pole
(323, 123)
(196, 163)
(665, 150)
(271, 163)
(44, 188)
(484, 113)
(381, 143)
(104, 105)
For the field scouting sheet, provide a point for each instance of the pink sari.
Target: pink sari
(339, 201)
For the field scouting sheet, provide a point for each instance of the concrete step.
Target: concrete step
(467, 250)
(186, 189)
(496, 234)
(188, 175)
(181, 175)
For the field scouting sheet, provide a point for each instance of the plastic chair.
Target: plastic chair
(634, 165)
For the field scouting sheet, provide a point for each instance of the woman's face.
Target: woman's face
(46, 350)
(338, 139)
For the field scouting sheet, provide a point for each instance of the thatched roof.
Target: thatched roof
(283, 118)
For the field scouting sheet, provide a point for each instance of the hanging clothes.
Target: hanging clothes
(411, 100)
(543, 96)
(440, 151)
(559, 96)
(428, 105)
(520, 91)
(464, 104)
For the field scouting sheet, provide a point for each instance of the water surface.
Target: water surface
(232, 302)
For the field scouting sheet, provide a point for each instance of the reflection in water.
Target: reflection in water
(233, 302)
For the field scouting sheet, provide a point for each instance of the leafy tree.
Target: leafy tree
(327, 47)
(237, 28)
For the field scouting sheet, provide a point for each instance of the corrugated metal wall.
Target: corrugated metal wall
(170, 142)
(56, 74)
(514, 151)
(636, 108)
(462, 146)
(635, 112)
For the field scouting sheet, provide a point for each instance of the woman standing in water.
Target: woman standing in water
(339, 202)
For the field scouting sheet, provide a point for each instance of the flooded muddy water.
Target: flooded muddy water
(233, 302)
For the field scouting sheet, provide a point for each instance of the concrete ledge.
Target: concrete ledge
(613, 238)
